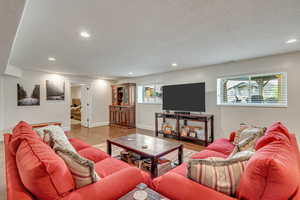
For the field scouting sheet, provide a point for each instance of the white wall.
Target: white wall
(1, 104)
(100, 101)
(229, 118)
(48, 111)
(75, 92)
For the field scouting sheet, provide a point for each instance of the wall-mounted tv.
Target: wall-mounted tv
(185, 97)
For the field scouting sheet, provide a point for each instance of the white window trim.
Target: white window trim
(260, 105)
(145, 85)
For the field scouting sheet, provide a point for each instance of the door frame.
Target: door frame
(85, 97)
(86, 105)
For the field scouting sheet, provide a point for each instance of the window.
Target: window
(149, 94)
(253, 90)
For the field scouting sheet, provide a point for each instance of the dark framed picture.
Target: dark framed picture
(55, 90)
(28, 96)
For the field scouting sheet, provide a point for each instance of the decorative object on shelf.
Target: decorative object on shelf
(55, 90)
(184, 131)
(25, 98)
(122, 110)
(195, 131)
(167, 128)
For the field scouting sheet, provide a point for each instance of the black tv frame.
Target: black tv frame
(185, 111)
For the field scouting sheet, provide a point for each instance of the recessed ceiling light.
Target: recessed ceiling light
(290, 41)
(85, 34)
(52, 59)
(130, 73)
(174, 64)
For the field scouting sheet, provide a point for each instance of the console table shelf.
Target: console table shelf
(207, 119)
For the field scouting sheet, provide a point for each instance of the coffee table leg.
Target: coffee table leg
(154, 162)
(180, 155)
(108, 147)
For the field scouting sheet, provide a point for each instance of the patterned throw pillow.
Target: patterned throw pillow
(55, 136)
(220, 174)
(246, 137)
(82, 169)
(241, 154)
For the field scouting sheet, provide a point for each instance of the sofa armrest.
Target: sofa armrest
(178, 187)
(110, 187)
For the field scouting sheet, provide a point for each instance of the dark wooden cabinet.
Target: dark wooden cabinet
(122, 116)
(122, 110)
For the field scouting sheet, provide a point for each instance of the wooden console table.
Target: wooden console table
(205, 118)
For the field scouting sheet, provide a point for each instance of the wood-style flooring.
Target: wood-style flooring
(99, 135)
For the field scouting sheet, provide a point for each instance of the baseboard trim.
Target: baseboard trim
(96, 124)
(145, 126)
(66, 128)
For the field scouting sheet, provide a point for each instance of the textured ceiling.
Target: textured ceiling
(146, 36)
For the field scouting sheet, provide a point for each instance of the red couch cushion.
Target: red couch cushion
(269, 138)
(93, 154)
(272, 172)
(43, 172)
(109, 166)
(78, 144)
(208, 153)
(23, 128)
(20, 132)
(278, 127)
(221, 145)
(181, 169)
(14, 187)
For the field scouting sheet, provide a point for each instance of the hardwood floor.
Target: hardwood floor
(99, 135)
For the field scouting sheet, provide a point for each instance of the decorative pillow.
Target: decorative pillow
(55, 136)
(217, 173)
(237, 136)
(82, 169)
(232, 136)
(247, 137)
(241, 155)
(278, 127)
(43, 172)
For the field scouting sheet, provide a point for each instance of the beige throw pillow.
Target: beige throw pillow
(241, 154)
(220, 174)
(82, 169)
(55, 136)
(246, 138)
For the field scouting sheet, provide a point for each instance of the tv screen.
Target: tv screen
(185, 97)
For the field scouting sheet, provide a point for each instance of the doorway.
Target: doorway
(76, 105)
(80, 105)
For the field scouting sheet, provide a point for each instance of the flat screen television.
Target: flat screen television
(185, 97)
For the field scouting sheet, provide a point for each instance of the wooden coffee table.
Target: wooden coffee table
(156, 148)
(152, 195)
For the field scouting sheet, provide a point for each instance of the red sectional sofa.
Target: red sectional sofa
(272, 173)
(117, 177)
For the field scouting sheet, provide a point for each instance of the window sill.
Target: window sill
(255, 105)
(150, 103)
